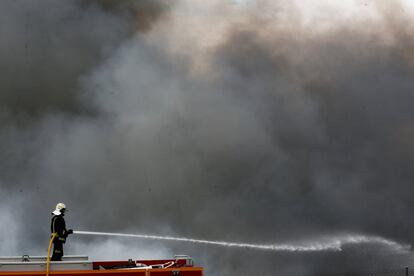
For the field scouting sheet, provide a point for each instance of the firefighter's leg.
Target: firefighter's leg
(57, 251)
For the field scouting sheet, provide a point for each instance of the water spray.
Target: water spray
(326, 244)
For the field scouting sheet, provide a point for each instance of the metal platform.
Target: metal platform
(27, 258)
(81, 266)
(38, 263)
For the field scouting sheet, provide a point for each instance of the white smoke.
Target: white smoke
(9, 230)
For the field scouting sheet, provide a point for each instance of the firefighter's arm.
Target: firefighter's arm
(66, 233)
(60, 230)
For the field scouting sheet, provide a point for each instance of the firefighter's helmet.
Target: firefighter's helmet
(59, 208)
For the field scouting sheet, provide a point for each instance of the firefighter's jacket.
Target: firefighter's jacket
(58, 226)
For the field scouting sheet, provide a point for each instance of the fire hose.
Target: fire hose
(48, 254)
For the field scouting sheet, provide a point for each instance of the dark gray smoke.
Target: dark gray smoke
(246, 122)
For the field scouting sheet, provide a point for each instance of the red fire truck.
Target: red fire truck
(26, 265)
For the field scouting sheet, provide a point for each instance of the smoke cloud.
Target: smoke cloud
(253, 121)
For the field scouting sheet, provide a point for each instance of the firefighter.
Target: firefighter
(58, 226)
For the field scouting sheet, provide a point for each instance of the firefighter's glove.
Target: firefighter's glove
(70, 231)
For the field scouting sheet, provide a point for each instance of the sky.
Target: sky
(247, 121)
